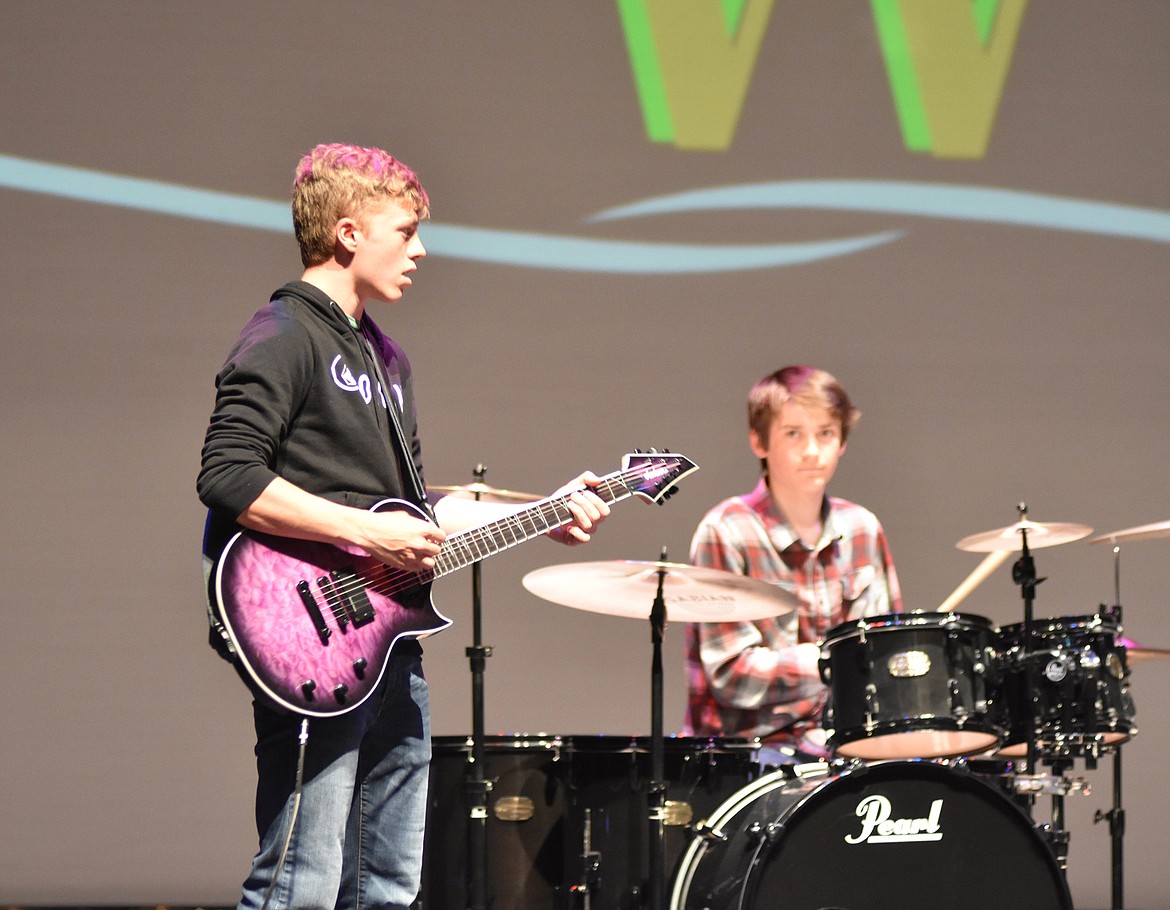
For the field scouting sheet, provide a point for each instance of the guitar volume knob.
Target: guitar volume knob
(307, 687)
(340, 691)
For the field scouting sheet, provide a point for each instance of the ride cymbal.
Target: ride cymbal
(628, 588)
(1141, 532)
(1040, 534)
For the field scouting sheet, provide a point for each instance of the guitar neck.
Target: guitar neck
(470, 546)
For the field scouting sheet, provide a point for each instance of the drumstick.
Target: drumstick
(991, 562)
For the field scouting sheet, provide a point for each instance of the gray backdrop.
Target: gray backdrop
(996, 358)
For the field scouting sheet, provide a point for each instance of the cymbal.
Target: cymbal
(1139, 654)
(483, 493)
(1040, 534)
(628, 588)
(1141, 532)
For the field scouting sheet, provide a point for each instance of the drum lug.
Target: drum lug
(872, 708)
(706, 832)
(958, 711)
(765, 835)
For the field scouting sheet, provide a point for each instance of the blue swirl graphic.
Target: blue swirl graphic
(926, 200)
(546, 251)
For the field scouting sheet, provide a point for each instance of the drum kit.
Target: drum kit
(944, 730)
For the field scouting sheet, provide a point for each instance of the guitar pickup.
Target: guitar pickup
(323, 631)
(346, 592)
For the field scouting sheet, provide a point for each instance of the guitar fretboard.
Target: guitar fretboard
(467, 547)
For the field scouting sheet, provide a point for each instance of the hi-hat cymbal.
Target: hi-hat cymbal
(1040, 534)
(483, 493)
(628, 588)
(1141, 532)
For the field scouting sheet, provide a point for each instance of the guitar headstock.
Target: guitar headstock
(652, 475)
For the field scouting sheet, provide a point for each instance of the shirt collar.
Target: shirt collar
(781, 532)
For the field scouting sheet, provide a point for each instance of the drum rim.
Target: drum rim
(730, 807)
(501, 742)
(889, 622)
(943, 723)
(995, 744)
(1090, 621)
(620, 743)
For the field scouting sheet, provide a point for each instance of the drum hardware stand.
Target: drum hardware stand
(1057, 832)
(1051, 784)
(1116, 815)
(1116, 818)
(1024, 574)
(656, 801)
(590, 864)
(477, 787)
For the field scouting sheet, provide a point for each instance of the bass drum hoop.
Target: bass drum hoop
(730, 809)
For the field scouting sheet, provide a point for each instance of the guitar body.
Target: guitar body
(327, 661)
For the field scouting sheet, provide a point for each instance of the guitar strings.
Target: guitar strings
(389, 580)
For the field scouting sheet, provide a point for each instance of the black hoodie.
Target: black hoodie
(299, 397)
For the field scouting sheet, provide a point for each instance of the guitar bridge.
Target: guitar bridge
(346, 593)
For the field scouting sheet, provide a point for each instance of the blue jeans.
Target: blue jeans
(358, 838)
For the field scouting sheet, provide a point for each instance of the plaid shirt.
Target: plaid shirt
(744, 678)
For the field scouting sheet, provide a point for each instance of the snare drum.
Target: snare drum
(911, 685)
(1081, 702)
(915, 835)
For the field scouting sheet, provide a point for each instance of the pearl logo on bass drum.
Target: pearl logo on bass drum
(878, 828)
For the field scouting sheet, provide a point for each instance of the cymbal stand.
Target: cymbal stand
(1024, 574)
(1116, 815)
(656, 801)
(477, 786)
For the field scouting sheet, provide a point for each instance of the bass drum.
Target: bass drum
(915, 835)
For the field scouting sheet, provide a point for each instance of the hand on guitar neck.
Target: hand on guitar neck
(458, 513)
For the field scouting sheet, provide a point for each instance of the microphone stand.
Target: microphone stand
(477, 786)
(657, 791)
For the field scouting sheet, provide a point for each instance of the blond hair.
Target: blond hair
(335, 181)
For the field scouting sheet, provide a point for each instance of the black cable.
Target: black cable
(296, 808)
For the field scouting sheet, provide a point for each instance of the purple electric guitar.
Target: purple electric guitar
(313, 624)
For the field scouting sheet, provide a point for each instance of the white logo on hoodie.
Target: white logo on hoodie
(344, 379)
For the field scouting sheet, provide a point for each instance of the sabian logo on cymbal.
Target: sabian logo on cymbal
(698, 598)
(878, 828)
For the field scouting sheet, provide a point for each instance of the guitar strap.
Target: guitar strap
(398, 437)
